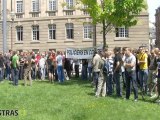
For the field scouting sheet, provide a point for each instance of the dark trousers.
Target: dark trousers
(1, 73)
(158, 86)
(117, 78)
(131, 81)
(21, 72)
(33, 73)
(95, 79)
(76, 70)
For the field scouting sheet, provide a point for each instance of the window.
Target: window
(122, 32)
(85, 12)
(52, 32)
(35, 14)
(88, 30)
(19, 4)
(19, 33)
(52, 5)
(69, 31)
(69, 12)
(19, 16)
(69, 4)
(35, 32)
(51, 13)
(35, 5)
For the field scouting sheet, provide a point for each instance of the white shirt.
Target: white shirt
(42, 62)
(59, 60)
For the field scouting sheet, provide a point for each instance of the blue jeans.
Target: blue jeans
(89, 73)
(117, 76)
(8, 72)
(33, 73)
(95, 78)
(60, 73)
(131, 80)
(109, 81)
(15, 75)
(143, 76)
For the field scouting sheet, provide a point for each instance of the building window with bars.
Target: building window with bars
(52, 5)
(88, 31)
(19, 4)
(52, 32)
(69, 4)
(122, 32)
(69, 31)
(35, 14)
(35, 32)
(19, 33)
(69, 13)
(51, 13)
(35, 6)
(85, 12)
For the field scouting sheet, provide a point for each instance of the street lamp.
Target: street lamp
(12, 14)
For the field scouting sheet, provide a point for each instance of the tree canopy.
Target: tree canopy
(116, 12)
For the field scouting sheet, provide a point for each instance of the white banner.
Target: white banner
(81, 53)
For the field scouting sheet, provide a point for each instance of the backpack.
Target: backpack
(106, 67)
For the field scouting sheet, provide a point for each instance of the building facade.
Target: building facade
(157, 20)
(55, 24)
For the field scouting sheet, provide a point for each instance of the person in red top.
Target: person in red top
(38, 57)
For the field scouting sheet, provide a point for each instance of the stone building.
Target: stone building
(157, 20)
(49, 24)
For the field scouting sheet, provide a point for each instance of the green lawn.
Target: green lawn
(73, 100)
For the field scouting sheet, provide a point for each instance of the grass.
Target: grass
(72, 100)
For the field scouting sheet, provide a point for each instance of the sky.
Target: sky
(152, 5)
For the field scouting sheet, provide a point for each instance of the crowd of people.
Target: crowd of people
(106, 69)
(134, 67)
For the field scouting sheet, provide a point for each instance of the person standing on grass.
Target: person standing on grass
(21, 69)
(117, 70)
(59, 60)
(76, 67)
(143, 68)
(95, 63)
(50, 67)
(84, 72)
(130, 73)
(90, 69)
(33, 67)
(38, 72)
(27, 69)
(67, 67)
(152, 71)
(2, 67)
(158, 78)
(42, 66)
(101, 88)
(109, 72)
(15, 68)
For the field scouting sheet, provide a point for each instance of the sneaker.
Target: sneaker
(97, 96)
(157, 101)
(135, 100)
(154, 96)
